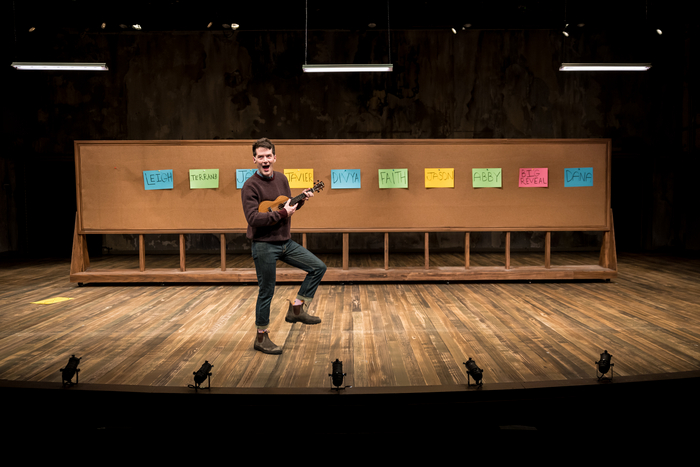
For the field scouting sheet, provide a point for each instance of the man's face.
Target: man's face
(264, 160)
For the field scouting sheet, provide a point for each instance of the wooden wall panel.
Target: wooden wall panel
(111, 197)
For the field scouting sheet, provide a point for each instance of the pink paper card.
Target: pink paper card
(533, 177)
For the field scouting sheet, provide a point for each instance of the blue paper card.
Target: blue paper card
(581, 176)
(242, 175)
(346, 178)
(158, 179)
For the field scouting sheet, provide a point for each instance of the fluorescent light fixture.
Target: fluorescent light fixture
(59, 66)
(346, 67)
(604, 66)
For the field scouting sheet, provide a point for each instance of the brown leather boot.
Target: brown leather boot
(265, 345)
(298, 314)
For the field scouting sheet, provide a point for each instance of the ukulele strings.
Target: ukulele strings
(296, 199)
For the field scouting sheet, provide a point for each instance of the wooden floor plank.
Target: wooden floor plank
(386, 334)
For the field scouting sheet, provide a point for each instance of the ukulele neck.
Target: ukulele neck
(294, 200)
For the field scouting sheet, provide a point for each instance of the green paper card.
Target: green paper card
(486, 178)
(393, 178)
(204, 178)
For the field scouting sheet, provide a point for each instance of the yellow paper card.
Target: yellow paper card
(49, 301)
(439, 178)
(300, 178)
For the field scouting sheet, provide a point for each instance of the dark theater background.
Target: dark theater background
(461, 70)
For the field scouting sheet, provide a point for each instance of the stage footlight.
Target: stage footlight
(603, 366)
(71, 370)
(202, 374)
(337, 375)
(474, 371)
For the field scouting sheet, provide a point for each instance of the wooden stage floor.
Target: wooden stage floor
(386, 334)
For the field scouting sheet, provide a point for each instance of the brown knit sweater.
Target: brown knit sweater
(266, 226)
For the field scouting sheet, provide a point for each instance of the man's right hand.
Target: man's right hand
(290, 209)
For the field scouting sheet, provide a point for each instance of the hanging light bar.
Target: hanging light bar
(350, 67)
(604, 66)
(347, 67)
(59, 66)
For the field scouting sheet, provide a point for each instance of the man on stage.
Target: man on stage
(270, 233)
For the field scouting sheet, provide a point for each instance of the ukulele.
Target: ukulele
(276, 205)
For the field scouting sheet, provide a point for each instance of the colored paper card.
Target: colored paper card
(439, 178)
(582, 176)
(393, 178)
(345, 178)
(486, 178)
(242, 175)
(204, 178)
(158, 179)
(49, 301)
(533, 177)
(300, 178)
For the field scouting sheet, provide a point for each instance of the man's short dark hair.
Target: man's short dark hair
(263, 143)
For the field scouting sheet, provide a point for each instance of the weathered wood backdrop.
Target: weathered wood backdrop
(249, 84)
